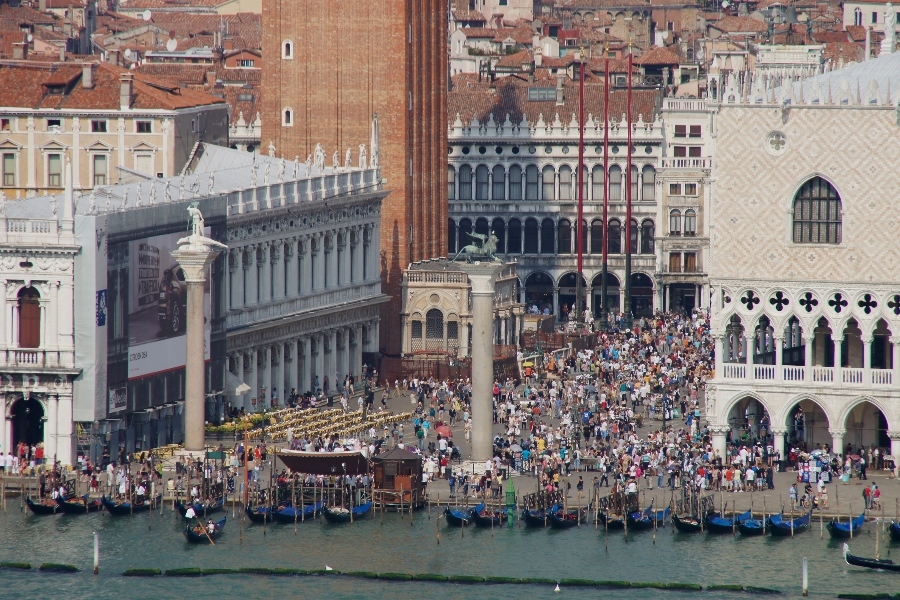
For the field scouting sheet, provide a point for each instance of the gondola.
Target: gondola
(778, 526)
(79, 506)
(342, 515)
(895, 532)
(560, 519)
(752, 527)
(200, 509)
(870, 563)
(458, 518)
(194, 537)
(44, 507)
(645, 521)
(715, 523)
(615, 522)
(289, 514)
(485, 518)
(687, 524)
(260, 514)
(538, 518)
(122, 509)
(843, 531)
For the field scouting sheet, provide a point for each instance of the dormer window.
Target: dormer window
(56, 90)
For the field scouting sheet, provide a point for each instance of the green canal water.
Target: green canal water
(398, 546)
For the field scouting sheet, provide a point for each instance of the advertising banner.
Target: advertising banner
(157, 303)
(118, 399)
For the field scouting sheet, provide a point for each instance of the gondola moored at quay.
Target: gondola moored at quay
(260, 514)
(538, 517)
(42, 507)
(688, 524)
(715, 523)
(201, 509)
(777, 525)
(79, 506)
(125, 508)
(567, 519)
(343, 515)
(487, 518)
(841, 531)
(457, 518)
(289, 514)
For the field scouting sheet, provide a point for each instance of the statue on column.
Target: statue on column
(271, 148)
(319, 156)
(362, 156)
(196, 219)
(335, 160)
(348, 159)
(890, 29)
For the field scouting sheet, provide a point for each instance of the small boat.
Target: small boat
(615, 522)
(538, 518)
(715, 523)
(778, 526)
(870, 563)
(895, 532)
(343, 515)
(645, 521)
(752, 527)
(560, 519)
(485, 518)
(289, 514)
(45, 506)
(196, 535)
(201, 509)
(260, 514)
(79, 506)
(121, 509)
(687, 524)
(458, 518)
(844, 530)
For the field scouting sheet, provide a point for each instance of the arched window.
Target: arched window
(614, 243)
(817, 213)
(649, 184)
(675, 222)
(634, 236)
(29, 318)
(498, 228)
(465, 228)
(584, 184)
(481, 226)
(548, 183)
(514, 237)
(287, 117)
(648, 232)
(634, 184)
(548, 237)
(531, 236)
(465, 182)
(597, 181)
(584, 236)
(690, 222)
(515, 182)
(451, 237)
(597, 236)
(531, 182)
(565, 237)
(615, 183)
(499, 192)
(857, 16)
(287, 50)
(434, 324)
(565, 183)
(481, 183)
(451, 183)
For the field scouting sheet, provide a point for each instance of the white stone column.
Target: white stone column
(66, 325)
(895, 444)
(51, 428)
(4, 311)
(895, 365)
(4, 441)
(867, 358)
(237, 279)
(64, 429)
(483, 278)
(239, 359)
(194, 257)
(779, 359)
(276, 268)
(718, 441)
(357, 352)
(838, 369)
(266, 293)
(291, 267)
(52, 338)
(306, 366)
(267, 373)
(778, 440)
(319, 370)
(808, 357)
(279, 373)
(332, 363)
(837, 440)
(254, 375)
(346, 268)
(751, 350)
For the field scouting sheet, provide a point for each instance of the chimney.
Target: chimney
(114, 57)
(42, 5)
(126, 91)
(538, 56)
(87, 75)
(20, 51)
(560, 91)
(535, 41)
(62, 54)
(868, 43)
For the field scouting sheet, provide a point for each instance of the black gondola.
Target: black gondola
(44, 507)
(842, 531)
(645, 521)
(715, 523)
(615, 522)
(79, 506)
(288, 514)
(560, 519)
(484, 518)
(752, 527)
(260, 514)
(538, 518)
(457, 518)
(778, 526)
(870, 563)
(200, 537)
(895, 532)
(342, 515)
(123, 509)
(687, 524)
(201, 509)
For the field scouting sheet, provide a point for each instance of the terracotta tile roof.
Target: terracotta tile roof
(658, 56)
(23, 84)
(739, 25)
(64, 4)
(115, 22)
(834, 53)
(246, 27)
(509, 96)
(479, 32)
(857, 33)
(824, 37)
(184, 5)
(463, 14)
(25, 14)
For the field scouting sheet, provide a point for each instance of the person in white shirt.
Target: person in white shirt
(189, 513)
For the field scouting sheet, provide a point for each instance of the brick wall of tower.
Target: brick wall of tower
(351, 60)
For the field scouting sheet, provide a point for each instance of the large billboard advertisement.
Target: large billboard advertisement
(157, 303)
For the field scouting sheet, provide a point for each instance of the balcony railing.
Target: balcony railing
(686, 163)
(815, 375)
(36, 358)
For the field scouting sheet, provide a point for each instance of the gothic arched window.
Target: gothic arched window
(817, 213)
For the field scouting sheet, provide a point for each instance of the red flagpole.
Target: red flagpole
(627, 303)
(579, 295)
(604, 320)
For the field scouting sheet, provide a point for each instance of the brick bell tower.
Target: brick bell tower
(333, 64)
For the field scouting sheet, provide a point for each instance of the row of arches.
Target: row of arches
(556, 296)
(480, 182)
(549, 236)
